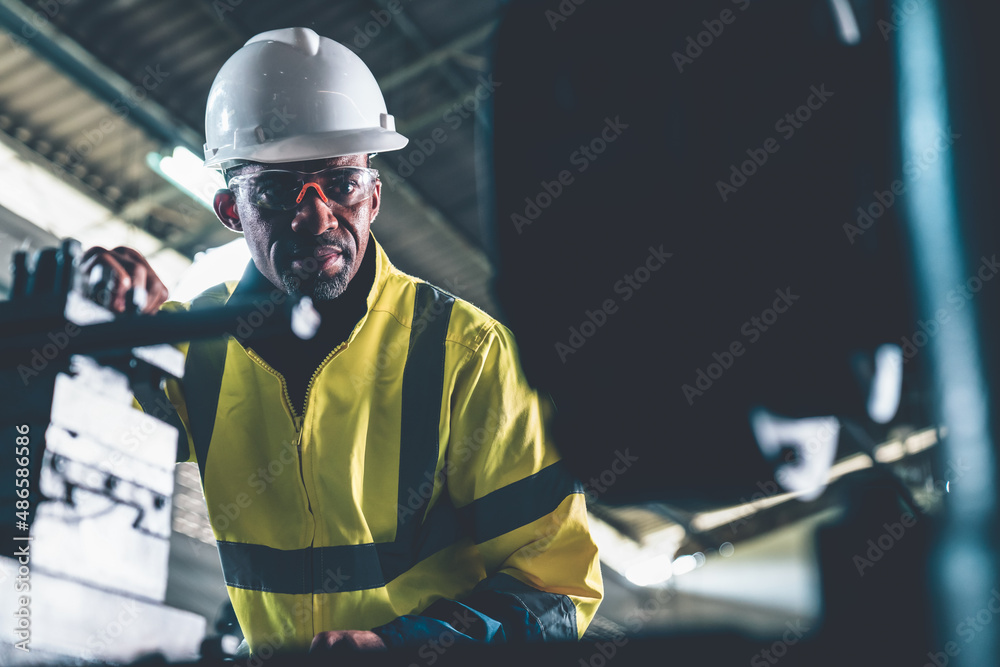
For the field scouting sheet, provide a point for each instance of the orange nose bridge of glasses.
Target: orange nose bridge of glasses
(319, 191)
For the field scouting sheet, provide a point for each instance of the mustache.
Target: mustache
(301, 250)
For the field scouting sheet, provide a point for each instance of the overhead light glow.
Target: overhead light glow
(211, 267)
(33, 192)
(887, 387)
(847, 23)
(652, 571)
(684, 564)
(184, 170)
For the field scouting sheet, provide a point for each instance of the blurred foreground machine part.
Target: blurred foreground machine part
(90, 518)
(712, 168)
(89, 570)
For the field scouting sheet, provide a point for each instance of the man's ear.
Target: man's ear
(225, 209)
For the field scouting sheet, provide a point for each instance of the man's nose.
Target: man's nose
(313, 215)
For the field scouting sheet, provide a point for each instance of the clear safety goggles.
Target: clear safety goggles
(283, 189)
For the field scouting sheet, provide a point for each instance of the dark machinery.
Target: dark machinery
(92, 479)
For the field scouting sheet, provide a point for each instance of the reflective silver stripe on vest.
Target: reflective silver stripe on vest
(419, 533)
(258, 567)
(203, 369)
(363, 566)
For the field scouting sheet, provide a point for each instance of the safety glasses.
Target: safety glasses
(283, 190)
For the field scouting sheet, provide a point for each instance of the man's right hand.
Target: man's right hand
(109, 275)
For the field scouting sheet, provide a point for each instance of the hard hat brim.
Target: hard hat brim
(310, 147)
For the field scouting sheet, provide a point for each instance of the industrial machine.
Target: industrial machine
(90, 479)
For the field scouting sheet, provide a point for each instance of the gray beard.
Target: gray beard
(321, 289)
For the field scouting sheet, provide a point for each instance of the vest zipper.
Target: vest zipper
(299, 427)
(297, 420)
(319, 368)
(298, 448)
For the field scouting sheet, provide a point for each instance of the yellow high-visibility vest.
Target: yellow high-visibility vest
(419, 468)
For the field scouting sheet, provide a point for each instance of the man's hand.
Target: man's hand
(110, 274)
(358, 640)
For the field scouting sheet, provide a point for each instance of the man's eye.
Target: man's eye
(344, 185)
(265, 196)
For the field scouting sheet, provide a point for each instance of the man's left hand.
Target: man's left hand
(359, 640)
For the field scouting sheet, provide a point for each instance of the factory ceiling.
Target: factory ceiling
(90, 88)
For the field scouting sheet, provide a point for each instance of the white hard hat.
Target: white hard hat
(291, 95)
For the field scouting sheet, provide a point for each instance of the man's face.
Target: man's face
(312, 250)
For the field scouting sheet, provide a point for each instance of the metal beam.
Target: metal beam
(412, 32)
(57, 171)
(437, 220)
(193, 242)
(436, 57)
(436, 115)
(137, 209)
(30, 28)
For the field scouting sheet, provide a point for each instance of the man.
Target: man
(390, 481)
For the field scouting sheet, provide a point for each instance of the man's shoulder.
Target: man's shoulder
(468, 325)
(216, 295)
